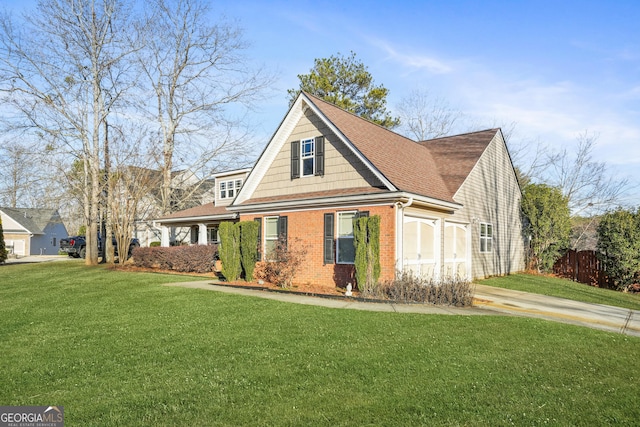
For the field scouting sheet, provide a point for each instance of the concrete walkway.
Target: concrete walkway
(488, 301)
(30, 259)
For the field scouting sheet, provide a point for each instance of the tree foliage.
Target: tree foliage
(548, 224)
(229, 250)
(366, 239)
(3, 250)
(248, 247)
(619, 246)
(347, 83)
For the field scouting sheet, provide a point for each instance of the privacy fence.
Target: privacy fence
(583, 267)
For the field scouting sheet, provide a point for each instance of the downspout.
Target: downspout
(399, 230)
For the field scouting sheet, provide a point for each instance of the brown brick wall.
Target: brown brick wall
(306, 228)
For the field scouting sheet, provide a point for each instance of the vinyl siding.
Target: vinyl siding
(491, 194)
(342, 167)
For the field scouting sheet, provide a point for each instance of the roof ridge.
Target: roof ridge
(459, 134)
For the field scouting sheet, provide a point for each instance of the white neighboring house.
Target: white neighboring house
(32, 231)
(202, 222)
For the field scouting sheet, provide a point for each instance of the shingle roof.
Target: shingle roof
(208, 209)
(455, 156)
(33, 220)
(406, 164)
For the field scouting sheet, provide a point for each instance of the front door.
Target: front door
(456, 251)
(420, 246)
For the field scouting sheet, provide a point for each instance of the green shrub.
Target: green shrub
(366, 239)
(230, 250)
(3, 250)
(619, 246)
(155, 244)
(408, 287)
(248, 247)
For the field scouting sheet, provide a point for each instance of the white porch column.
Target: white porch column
(202, 234)
(164, 240)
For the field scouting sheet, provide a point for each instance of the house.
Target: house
(448, 206)
(32, 231)
(202, 221)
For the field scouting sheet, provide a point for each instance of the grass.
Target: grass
(116, 348)
(564, 288)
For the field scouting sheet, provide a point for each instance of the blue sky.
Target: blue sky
(555, 68)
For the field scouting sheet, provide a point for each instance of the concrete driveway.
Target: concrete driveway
(596, 316)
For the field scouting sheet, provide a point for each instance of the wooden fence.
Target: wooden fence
(583, 267)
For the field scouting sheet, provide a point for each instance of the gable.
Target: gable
(342, 169)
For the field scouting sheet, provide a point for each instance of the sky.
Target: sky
(555, 69)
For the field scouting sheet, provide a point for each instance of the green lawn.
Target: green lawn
(564, 288)
(118, 349)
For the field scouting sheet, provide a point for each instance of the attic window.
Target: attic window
(307, 157)
(229, 189)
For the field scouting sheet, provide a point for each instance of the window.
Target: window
(345, 250)
(486, 237)
(229, 189)
(270, 235)
(307, 157)
(212, 235)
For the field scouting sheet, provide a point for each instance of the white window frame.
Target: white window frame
(229, 189)
(345, 237)
(486, 237)
(311, 156)
(269, 238)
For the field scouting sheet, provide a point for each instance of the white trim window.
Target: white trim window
(270, 235)
(345, 250)
(308, 156)
(486, 237)
(229, 189)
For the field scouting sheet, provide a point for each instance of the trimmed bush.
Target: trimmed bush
(184, 259)
(248, 247)
(366, 239)
(230, 250)
(155, 244)
(408, 287)
(3, 250)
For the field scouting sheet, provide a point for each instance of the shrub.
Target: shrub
(287, 259)
(408, 287)
(619, 246)
(366, 239)
(185, 259)
(3, 250)
(248, 247)
(230, 250)
(155, 244)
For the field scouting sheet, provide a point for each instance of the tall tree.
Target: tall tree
(347, 83)
(3, 250)
(53, 71)
(548, 224)
(197, 74)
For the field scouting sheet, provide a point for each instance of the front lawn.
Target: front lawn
(564, 288)
(118, 349)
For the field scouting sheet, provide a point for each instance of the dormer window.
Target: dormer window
(307, 157)
(229, 189)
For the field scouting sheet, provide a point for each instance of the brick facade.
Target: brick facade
(305, 228)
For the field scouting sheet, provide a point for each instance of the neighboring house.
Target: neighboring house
(448, 206)
(201, 222)
(32, 231)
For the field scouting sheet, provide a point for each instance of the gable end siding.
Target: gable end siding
(491, 194)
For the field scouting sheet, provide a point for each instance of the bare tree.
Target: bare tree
(52, 74)
(423, 116)
(197, 75)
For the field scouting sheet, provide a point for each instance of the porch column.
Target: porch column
(202, 234)
(164, 240)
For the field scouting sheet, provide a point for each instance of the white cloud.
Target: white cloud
(413, 61)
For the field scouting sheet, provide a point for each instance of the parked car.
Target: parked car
(76, 246)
